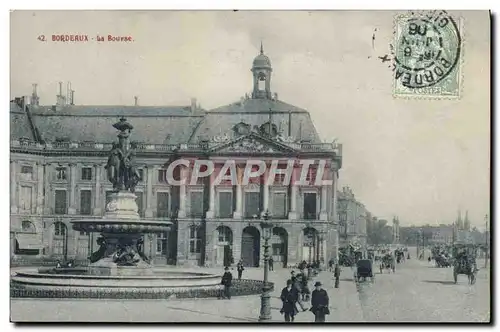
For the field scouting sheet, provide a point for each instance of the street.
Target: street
(417, 292)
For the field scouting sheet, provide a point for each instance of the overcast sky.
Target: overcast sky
(419, 159)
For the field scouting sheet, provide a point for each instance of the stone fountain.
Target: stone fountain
(120, 263)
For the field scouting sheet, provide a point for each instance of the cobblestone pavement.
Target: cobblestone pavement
(417, 292)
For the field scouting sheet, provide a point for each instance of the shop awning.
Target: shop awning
(29, 241)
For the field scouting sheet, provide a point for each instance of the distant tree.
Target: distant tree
(379, 232)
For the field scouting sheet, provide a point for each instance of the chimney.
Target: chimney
(68, 94)
(60, 97)
(136, 101)
(193, 104)
(34, 96)
(72, 97)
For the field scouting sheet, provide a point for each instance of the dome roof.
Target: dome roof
(261, 60)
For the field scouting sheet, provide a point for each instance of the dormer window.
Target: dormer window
(61, 173)
(241, 129)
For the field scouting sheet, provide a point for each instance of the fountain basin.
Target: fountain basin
(160, 280)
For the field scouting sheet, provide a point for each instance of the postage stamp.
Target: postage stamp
(427, 55)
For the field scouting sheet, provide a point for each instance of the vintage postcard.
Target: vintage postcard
(250, 166)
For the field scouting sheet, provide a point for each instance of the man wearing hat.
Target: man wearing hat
(226, 281)
(319, 303)
(289, 297)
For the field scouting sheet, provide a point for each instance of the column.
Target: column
(182, 192)
(39, 189)
(72, 189)
(323, 215)
(13, 187)
(47, 203)
(97, 190)
(292, 214)
(211, 206)
(149, 191)
(238, 213)
(265, 205)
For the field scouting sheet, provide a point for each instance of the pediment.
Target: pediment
(252, 144)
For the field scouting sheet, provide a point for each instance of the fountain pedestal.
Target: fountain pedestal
(121, 242)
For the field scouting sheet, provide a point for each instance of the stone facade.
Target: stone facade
(57, 175)
(353, 214)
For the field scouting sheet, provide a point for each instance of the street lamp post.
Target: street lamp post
(265, 303)
(322, 246)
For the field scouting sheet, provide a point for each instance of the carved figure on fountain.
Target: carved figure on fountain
(121, 170)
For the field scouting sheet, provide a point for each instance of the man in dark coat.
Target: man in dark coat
(319, 303)
(240, 269)
(289, 297)
(227, 280)
(297, 286)
(271, 263)
(336, 274)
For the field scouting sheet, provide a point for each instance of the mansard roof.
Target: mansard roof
(19, 123)
(162, 125)
(256, 112)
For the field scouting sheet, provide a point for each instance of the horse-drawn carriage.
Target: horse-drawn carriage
(388, 263)
(364, 270)
(465, 262)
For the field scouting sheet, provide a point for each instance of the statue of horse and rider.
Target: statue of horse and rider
(121, 170)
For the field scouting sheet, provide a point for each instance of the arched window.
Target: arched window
(225, 234)
(59, 229)
(27, 226)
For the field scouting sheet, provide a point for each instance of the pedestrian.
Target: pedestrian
(306, 293)
(309, 271)
(58, 264)
(330, 265)
(271, 262)
(319, 303)
(336, 274)
(297, 285)
(240, 269)
(289, 297)
(227, 280)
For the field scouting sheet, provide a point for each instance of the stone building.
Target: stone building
(352, 216)
(58, 154)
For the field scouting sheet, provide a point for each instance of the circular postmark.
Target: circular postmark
(427, 48)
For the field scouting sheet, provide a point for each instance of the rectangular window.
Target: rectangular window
(61, 173)
(61, 204)
(141, 175)
(196, 204)
(195, 240)
(85, 202)
(279, 208)
(161, 244)
(162, 205)
(162, 175)
(139, 201)
(310, 206)
(252, 204)
(225, 204)
(87, 173)
(26, 199)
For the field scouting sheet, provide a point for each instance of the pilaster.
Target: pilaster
(39, 189)
(72, 189)
(149, 191)
(13, 187)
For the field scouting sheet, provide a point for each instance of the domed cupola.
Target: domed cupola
(261, 70)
